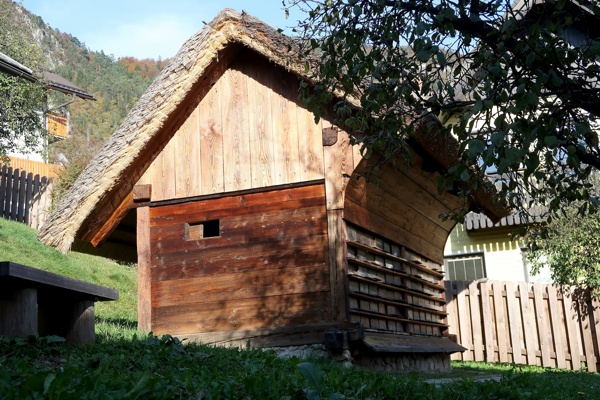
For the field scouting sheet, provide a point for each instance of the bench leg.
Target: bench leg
(72, 320)
(18, 313)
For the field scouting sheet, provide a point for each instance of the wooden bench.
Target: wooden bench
(36, 302)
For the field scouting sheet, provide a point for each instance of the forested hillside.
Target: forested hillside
(115, 83)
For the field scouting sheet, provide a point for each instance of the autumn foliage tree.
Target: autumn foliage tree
(21, 101)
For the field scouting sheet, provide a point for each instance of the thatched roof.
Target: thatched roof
(109, 178)
(111, 169)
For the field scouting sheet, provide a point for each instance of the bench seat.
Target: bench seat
(36, 302)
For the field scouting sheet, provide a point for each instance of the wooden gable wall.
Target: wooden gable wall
(248, 132)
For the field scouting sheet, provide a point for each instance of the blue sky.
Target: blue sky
(146, 28)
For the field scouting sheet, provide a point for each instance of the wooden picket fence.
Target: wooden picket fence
(24, 197)
(525, 323)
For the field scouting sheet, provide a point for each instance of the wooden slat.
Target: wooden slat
(3, 183)
(595, 312)
(395, 318)
(514, 322)
(27, 198)
(451, 319)
(586, 332)
(401, 304)
(21, 205)
(557, 328)
(528, 328)
(397, 288)
(501, 330)
(14, 195)
(475, 318)
(465, 332)
(542, 324)
(572, 340)
(385, 254)
(486, 312)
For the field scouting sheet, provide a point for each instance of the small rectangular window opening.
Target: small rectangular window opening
(202, 230)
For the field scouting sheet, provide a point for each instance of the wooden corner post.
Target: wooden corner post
(144, 259)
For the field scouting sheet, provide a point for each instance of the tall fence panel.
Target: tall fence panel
(24, 197)
(525, 323)
(35, 167)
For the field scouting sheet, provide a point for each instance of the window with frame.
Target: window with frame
(465, 267)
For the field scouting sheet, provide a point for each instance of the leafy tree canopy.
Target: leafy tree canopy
(517, 82)
(21, 126)
(570, 247)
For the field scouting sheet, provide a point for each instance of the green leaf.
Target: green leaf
(465, 176)
(551, 141)
(312, 374)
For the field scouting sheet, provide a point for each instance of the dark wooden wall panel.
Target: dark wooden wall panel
(268, 268)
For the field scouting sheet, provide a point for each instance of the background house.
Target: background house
(480, 249)
(55, 115)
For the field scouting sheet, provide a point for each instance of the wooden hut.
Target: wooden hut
(249, 221)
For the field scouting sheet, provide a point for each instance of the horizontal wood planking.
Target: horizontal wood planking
(271, 245)
(251, 313)
(249, 131)
(525, 324)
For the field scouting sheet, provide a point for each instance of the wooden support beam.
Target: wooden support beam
(144, 269)
(111, 223)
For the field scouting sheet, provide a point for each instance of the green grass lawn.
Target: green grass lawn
(127, 364)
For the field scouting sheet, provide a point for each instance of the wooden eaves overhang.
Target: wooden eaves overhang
(104, 192)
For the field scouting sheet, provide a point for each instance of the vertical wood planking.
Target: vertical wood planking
(500, 321)
(285, 130)
(557, 328)
(211, 141)
(182, 160)
(546, 324)
(259, 124)
(236, 144)
(193, 157)
(486, 312)
(514, 322)
(310, 138)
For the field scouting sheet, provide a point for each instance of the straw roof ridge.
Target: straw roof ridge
(108, 168)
